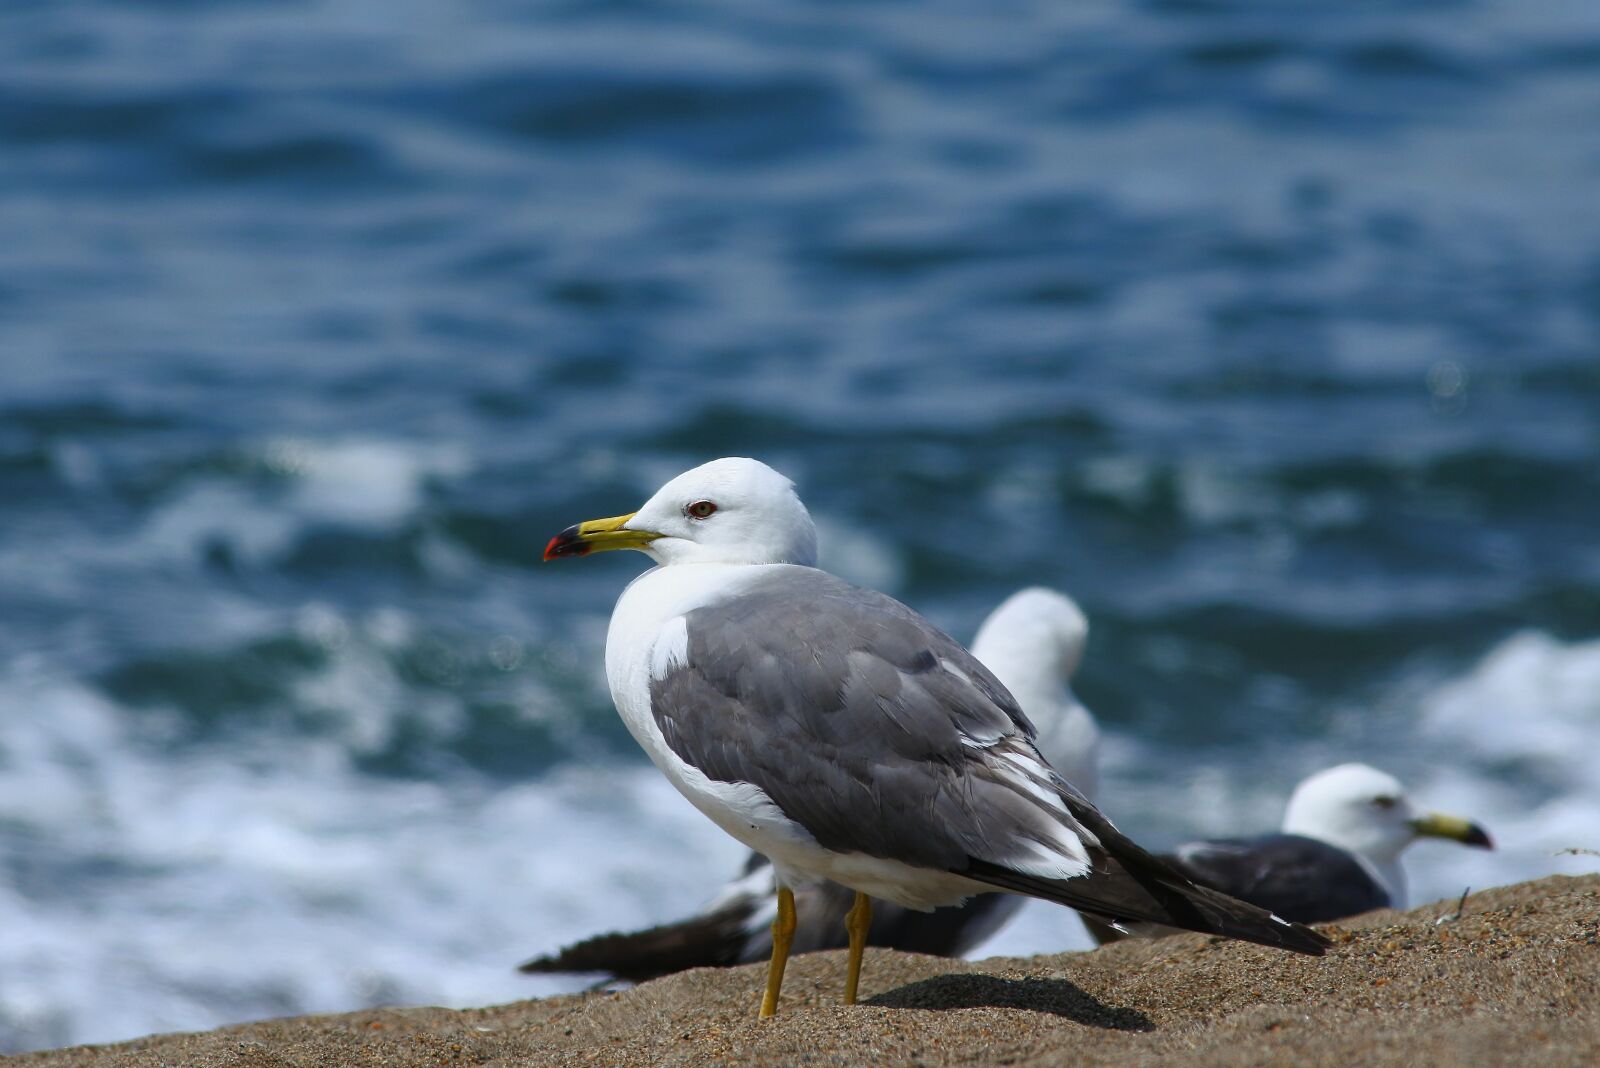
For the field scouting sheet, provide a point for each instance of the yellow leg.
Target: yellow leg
(782, 939)
(858, 922)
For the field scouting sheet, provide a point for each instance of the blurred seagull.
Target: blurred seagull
(1033, 643)
(1338, 854)
(843, 737)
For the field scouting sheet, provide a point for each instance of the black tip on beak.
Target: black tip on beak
(567, 543)
(1477, 836)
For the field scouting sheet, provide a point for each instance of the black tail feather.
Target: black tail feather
(1117, 895)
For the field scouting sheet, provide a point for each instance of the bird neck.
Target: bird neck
(1379, 856)
(1390, 876)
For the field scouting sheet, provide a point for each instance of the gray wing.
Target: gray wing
(862, 722)
(1300, 879)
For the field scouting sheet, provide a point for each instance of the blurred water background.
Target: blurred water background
(1270, 329)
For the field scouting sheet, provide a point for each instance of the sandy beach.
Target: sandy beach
(1514, 978)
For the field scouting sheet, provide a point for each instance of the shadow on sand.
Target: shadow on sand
(1057, 997)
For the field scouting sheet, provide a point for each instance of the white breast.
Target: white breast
(649, 636)
(650, 614)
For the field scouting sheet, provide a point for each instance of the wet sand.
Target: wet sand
(1515, 979)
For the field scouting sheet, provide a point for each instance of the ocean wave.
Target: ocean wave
(377, 692)
(228, 885)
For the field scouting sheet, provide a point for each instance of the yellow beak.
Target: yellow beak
(1438, 825)
(598, 536)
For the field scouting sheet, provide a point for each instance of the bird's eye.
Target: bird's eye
(700, 510)
(1384, 801)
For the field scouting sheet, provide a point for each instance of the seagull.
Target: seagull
(1338, 854)
(1033, 643)
(842, 736)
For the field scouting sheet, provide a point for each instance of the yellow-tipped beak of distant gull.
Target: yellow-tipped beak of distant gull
(1438, 825)
(598, 536)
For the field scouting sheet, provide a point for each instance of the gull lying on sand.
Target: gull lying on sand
(1338, 854)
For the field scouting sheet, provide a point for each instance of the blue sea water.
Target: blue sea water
(1270, 329)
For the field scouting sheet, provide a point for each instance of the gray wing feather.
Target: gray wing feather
(862, 722)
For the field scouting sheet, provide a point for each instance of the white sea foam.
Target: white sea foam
(363, 484)
(1518, 739)
(229, 887)
(1532, 698)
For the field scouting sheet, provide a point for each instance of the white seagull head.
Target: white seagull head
(1039, 626)
(729, 511)
(1365, 811)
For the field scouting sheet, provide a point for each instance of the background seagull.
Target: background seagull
(1338, 854)
(1033, 643)
(841, 735)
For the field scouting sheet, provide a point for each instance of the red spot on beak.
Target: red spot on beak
(567, 543)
